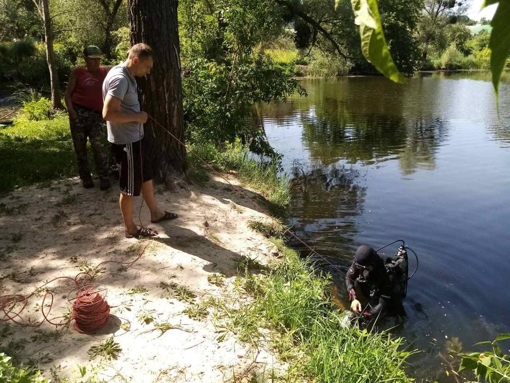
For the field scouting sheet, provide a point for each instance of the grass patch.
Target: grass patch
(292, 302)
(35, 151)
(268, 230)
(262, 175)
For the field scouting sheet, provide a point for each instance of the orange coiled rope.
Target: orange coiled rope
(91, 312)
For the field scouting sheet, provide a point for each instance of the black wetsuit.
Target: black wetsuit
(374, 289)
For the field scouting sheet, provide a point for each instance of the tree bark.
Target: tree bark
(154, 22)
(56, 99)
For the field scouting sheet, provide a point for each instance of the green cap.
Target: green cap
(93, 52)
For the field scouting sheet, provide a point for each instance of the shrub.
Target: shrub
(21, 374)
(36, 108)
(219, 98)
(323, 65)
(451, 58)
(483, 58)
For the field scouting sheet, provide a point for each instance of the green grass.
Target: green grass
(283, 56)
(292, 301)
(35, 151)
(264, 176)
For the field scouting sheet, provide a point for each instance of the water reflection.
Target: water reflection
(427, 162)
(318, 197)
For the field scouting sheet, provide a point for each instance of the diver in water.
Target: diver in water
(376, 284)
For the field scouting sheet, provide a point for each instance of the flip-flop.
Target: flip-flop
(143, 232)
(166, 217)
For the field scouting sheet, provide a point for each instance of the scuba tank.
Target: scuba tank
(397, 268)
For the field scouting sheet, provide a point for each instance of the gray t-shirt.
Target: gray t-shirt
(120, 84)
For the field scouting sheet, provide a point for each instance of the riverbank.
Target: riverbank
(206, 301)
(210, 300)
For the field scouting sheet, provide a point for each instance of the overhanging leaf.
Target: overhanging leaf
(502, 337)
(373, 44)
(499, 42)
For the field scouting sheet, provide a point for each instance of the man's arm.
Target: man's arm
(112, 113)
(350, 278)
(69, 95)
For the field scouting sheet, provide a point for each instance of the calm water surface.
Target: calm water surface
(427, 162)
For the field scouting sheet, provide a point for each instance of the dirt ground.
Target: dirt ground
(157, 318)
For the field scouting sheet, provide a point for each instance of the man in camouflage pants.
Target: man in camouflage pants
(84, 102)
(90, 124)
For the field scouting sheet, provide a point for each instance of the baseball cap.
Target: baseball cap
(93, 52)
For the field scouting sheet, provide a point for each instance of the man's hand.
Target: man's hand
(72, 114)
(356, 306)
(142, 117)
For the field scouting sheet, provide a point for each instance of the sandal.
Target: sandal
(166, 217)
(143, 232)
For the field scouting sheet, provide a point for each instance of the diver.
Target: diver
(375, 284)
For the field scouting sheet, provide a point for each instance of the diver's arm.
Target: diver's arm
(350, 278)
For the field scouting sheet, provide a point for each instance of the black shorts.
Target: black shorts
(134, 169)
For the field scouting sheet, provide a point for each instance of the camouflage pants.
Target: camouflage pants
(90, 124)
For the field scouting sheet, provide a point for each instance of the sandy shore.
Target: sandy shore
(159, 317)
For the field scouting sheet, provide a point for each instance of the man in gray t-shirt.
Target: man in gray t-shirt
(125, 121)
(121, 84)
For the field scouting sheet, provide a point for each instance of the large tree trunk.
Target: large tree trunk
(56, 99)
(154, 22)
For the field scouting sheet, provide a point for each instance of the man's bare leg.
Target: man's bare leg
(150, 200)
(126, 203)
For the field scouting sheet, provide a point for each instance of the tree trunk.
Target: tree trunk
(111, 15)
(56, 100)
(154, 22)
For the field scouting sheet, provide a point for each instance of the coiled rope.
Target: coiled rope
(90, 310)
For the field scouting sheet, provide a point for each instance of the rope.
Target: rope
(90, 311)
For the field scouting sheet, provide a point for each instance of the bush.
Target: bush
(36, 108)
(25, 61)
(21, 374)
(451, 59)
(483, 58)
(219, 98)
(323, 65)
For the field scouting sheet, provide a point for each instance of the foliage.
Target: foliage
(36, 108)
(235, 157)
(21, 374)
(292, 301)
(219, 98)
(451, 58)
(35, 151)
(18, 19)
(500, 39)
(226, 70)
(490, 366)
(373, 42)
(327, 65)
(25, 61)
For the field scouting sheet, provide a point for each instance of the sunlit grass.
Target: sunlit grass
(35, 151)
(292, 301)
(261, 175)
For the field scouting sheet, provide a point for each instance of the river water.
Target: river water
(427, 162)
